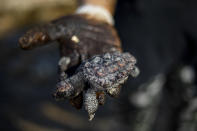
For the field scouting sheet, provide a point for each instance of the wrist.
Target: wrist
(96, 12)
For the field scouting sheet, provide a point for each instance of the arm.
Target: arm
(109, 5)
(102, 10)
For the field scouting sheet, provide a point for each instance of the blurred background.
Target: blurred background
(162, 34)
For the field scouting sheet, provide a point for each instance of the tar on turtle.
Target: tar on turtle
(103, 73)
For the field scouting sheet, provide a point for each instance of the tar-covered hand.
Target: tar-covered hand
(80, 38)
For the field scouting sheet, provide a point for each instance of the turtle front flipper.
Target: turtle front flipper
(90, 102)
(114, 91)
(135, 71)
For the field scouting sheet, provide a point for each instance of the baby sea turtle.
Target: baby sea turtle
(102, 73)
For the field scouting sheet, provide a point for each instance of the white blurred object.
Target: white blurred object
(97, 12)
(187, 74)
(149, 92)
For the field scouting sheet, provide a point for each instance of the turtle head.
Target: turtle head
(64, 90)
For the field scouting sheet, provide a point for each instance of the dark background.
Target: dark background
(162, 34)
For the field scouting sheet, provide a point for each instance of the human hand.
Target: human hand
(79, 38)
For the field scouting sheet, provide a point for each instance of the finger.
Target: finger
(42, 35)
(63, 63)
(34, 37)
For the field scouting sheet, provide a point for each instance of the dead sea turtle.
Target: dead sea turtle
(103, 73)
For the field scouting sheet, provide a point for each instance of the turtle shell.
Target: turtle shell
(108, 70)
